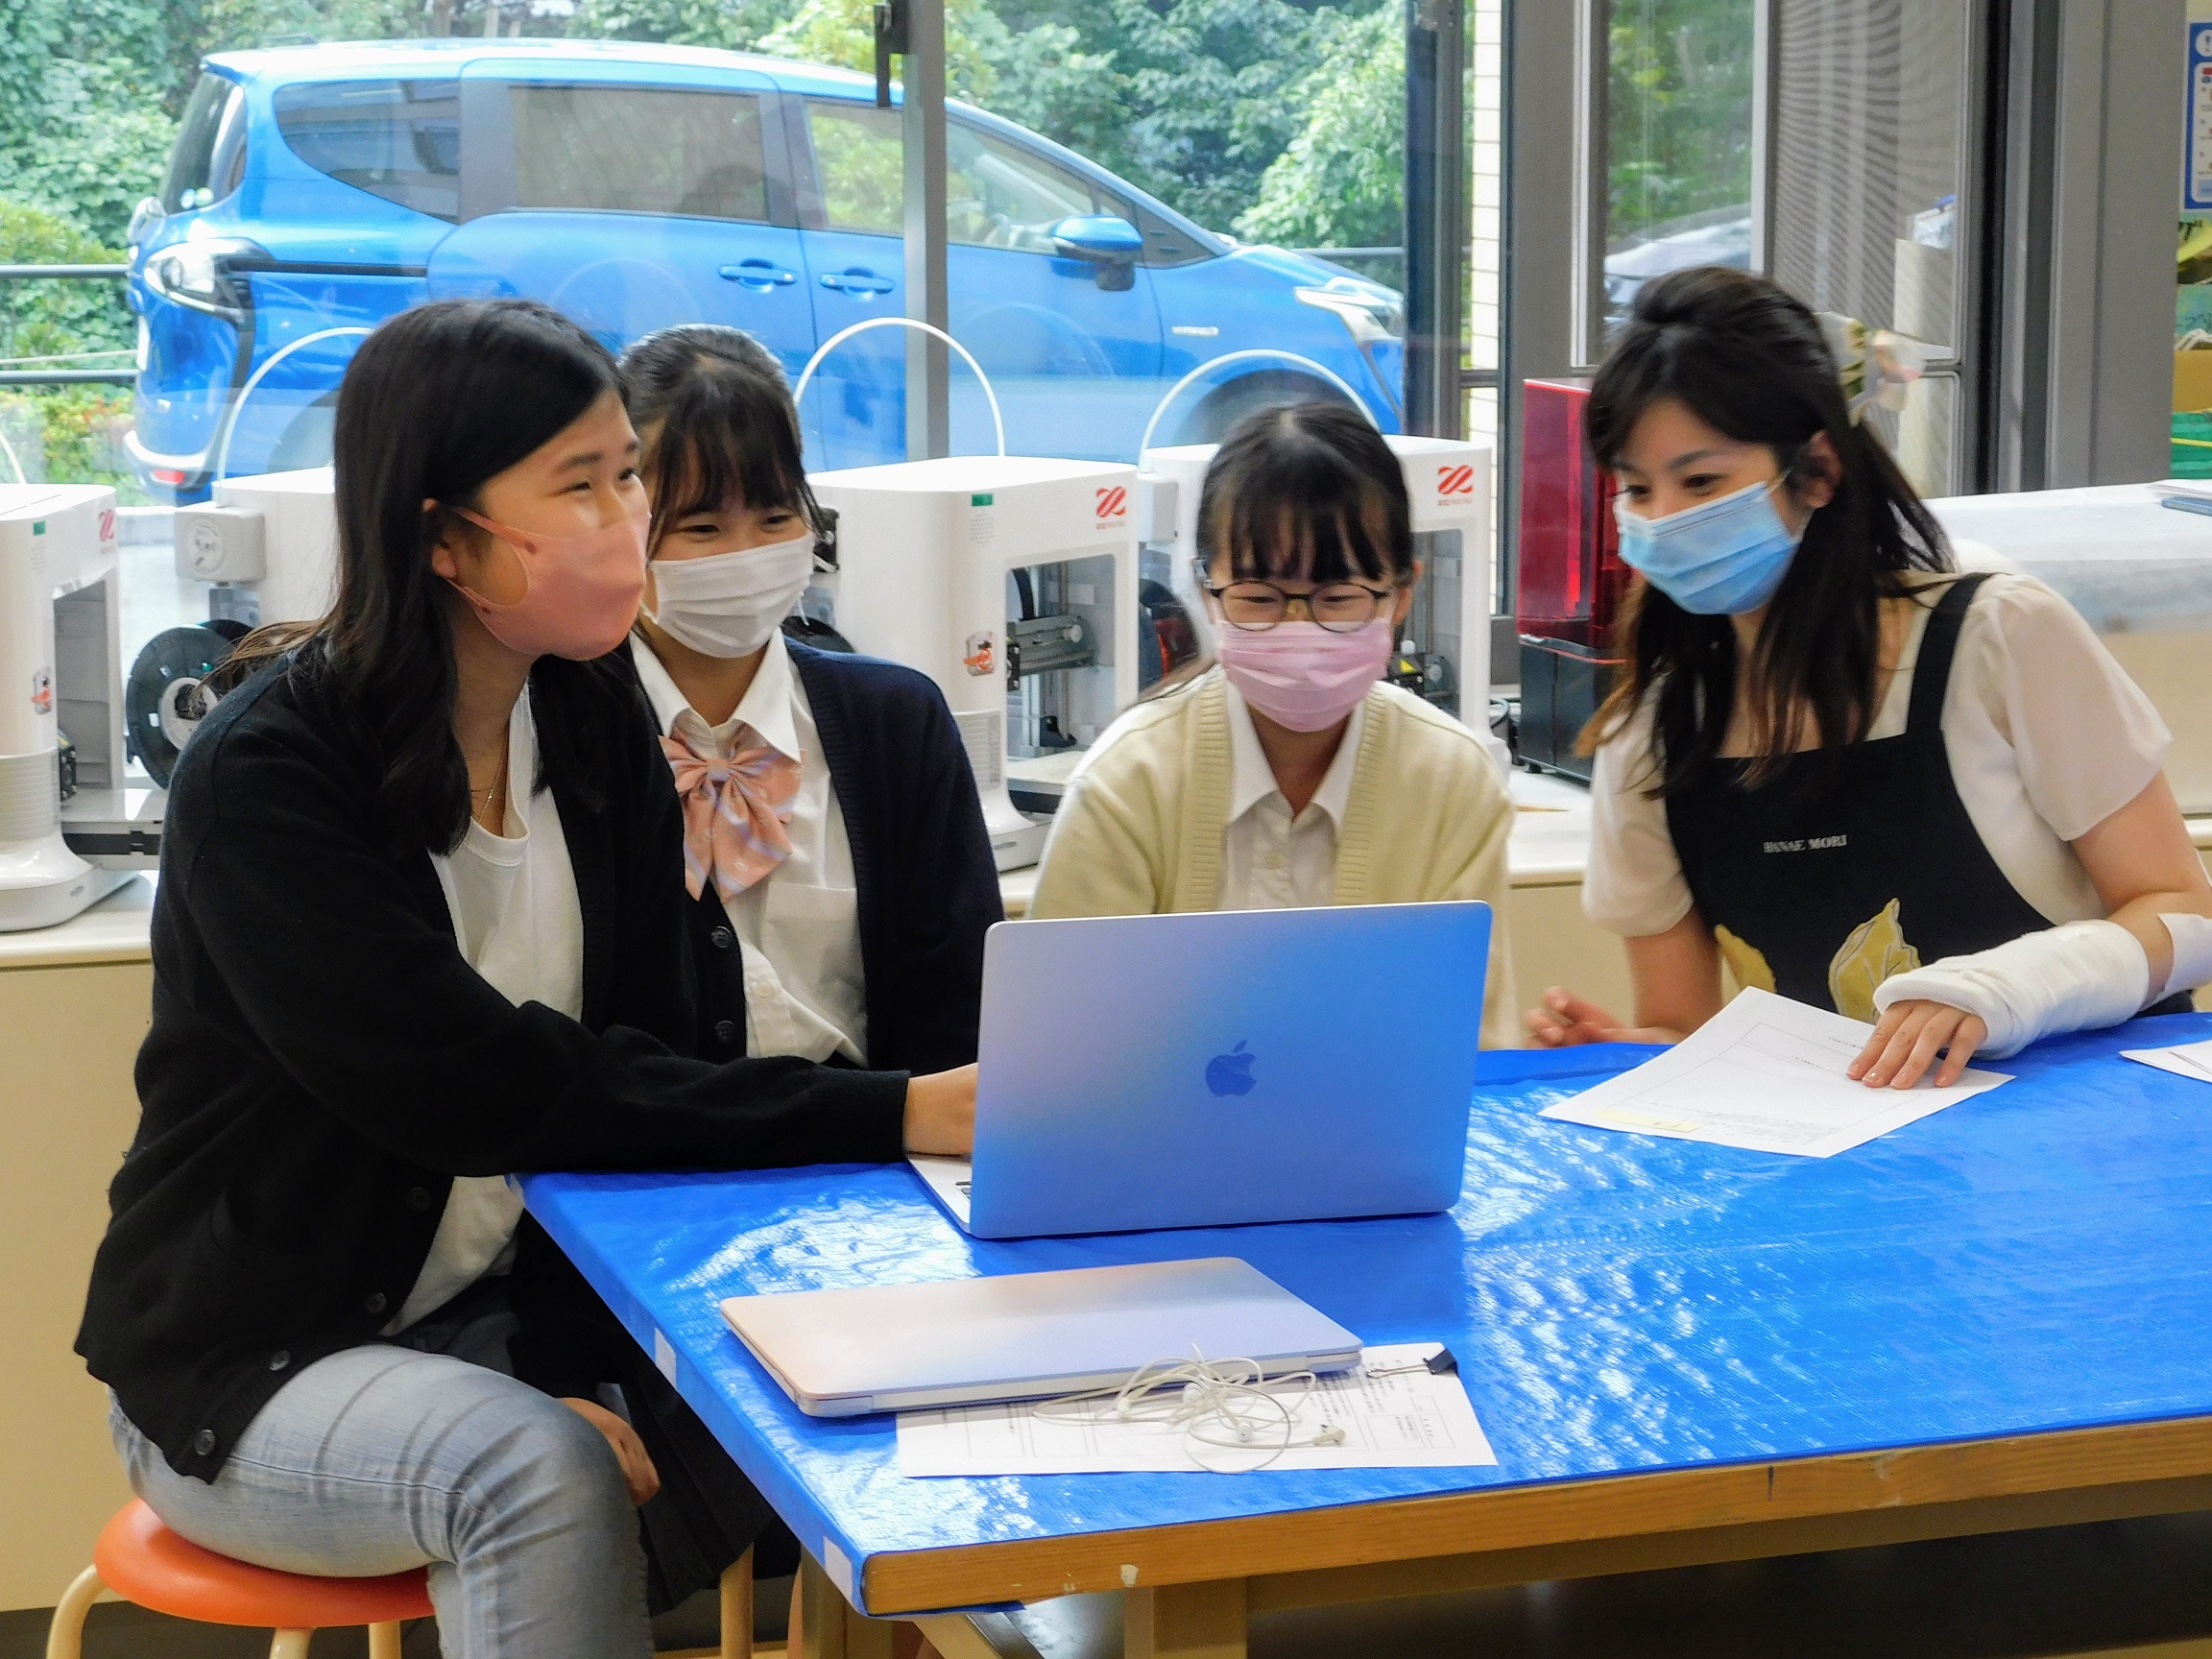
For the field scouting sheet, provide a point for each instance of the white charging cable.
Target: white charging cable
(1230, 1403)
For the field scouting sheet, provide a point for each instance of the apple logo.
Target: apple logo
(1230, 1074)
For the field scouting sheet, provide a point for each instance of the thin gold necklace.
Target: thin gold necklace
(498, 782)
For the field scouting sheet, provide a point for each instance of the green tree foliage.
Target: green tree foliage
(84, 131)
(100, 141)
(72, 431)
(843, 33)
(91, 89)
(1678, 119)
(1208, 93)
(1341, 184)
(736, 25)
(45, 318)
(232, 25)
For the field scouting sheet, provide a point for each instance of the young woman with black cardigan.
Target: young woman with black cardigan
(421, 923)
(837, 878)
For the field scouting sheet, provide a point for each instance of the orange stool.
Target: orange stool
(144, 1562)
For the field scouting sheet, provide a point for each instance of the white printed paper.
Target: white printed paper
(1767, 1074)
(2192, 1060)
(1411, 1419)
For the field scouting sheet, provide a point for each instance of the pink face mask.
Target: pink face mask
(1301, 675)
(580, 592)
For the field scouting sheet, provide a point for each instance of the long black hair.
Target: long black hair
(1308, 491)
(1749, 360)
(717, 413)
(437, 401)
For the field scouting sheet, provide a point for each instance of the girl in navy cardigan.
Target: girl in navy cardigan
(419, 924)
(838, 881)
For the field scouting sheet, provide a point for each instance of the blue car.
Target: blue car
(315, 191)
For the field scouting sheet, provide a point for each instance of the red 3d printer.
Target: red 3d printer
(1572, 580)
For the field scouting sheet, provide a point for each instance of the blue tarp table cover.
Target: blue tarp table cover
(2038, 1258)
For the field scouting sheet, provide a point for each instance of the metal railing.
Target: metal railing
(67, 376)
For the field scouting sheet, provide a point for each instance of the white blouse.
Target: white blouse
(798, 927)
(2047, 738)
(1269, 860)
(520, 925)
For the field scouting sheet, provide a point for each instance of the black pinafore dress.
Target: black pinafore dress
(1848, 866)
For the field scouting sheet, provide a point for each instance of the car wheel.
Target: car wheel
(1221, 408)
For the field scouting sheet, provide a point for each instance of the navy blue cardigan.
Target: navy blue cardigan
(928, 888)
(323, 1062)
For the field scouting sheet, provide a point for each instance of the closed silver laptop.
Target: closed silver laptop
(1024, 1335)
(1151, 1072)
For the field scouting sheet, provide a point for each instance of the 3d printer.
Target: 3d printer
(1010, 580)
(60, 718)
(1572, 580)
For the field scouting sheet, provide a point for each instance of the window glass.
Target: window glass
(1869, 165)
(639, 150)
(1868, 159)
(1677, 142)
(210, 153)
(858, 165)
(629, 171)
(398, 139)
(1164, 243)
(997, 196)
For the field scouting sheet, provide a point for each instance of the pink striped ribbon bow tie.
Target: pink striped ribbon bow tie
(736, 811)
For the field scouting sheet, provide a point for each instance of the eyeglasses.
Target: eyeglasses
(1340, 607)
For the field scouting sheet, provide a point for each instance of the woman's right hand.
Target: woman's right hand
(638, 1472)
(1566, 1020)
(941, 1113)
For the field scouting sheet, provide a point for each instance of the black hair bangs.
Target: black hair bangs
(1301, 541)
(1772, 392)
(724, 440)
(1306, 493)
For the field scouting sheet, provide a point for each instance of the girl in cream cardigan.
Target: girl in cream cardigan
(1287, 775)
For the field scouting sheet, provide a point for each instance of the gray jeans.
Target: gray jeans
(384, 1458)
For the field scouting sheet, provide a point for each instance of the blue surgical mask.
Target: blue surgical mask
(1716, 559)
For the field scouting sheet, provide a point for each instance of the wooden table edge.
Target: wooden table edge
(1522, 1532)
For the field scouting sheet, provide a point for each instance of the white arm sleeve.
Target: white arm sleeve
(1632, 883)
(2192, 937)
(2085, 740)
(2078, 977)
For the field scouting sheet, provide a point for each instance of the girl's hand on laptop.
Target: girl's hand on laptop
(1566, 1020)
(941, 1113)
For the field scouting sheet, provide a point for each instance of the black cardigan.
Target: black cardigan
(321, 1062)
(928, 888)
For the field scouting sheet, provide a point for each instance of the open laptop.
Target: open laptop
(1024, 1335)
(1243, 1065)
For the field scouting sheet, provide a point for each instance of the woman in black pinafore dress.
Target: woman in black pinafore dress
(1833, 763)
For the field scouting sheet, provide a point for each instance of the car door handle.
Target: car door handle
(759, 274)
(856, 282)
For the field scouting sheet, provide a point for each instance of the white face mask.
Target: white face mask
(729, 604)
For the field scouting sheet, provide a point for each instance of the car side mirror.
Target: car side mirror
(143, 217)
(1105, 241)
